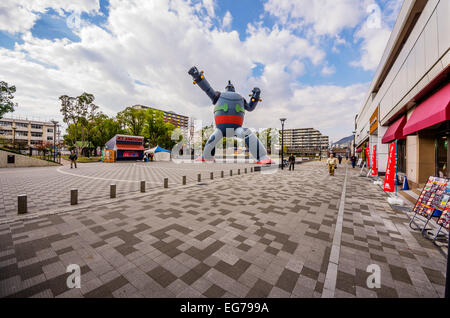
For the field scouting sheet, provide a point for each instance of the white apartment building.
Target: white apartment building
(27, 132)
(306, 141)
(408, 99)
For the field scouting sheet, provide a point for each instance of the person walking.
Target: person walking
(331, 162)
(353, 158)
(73, 159)
(340, 159)
(291, 162)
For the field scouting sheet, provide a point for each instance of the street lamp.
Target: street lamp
(354, 142)
(14, 135)
(54, 122)
(282, 142)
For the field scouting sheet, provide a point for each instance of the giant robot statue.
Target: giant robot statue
(229, 114)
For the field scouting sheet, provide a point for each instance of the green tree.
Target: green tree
(6, 96)
(158, 132)
(103, 129)
(77, 113)
(133, 120)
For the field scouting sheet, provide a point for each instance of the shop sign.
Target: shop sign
(389, 178)
(374, 121)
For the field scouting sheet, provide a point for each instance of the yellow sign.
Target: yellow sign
(109, 156)
(374, 121)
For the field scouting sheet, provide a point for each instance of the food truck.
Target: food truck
(126, 147)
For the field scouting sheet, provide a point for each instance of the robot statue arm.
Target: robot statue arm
(250, 106)
(201, 81)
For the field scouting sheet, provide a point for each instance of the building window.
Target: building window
(49, 138)
(401, 155)
(50, 130)
(5, 123)
(36, 134)
(36, 126)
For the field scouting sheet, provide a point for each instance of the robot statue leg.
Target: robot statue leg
(255, 146)
(210, 147)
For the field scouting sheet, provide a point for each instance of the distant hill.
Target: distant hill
(346, 141)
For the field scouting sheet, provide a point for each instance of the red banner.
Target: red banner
(374, 161)
(368, 157)
(389, 179)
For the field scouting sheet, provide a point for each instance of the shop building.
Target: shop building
(126, 147)
(408, 99)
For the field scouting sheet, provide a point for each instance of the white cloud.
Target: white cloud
(157, 48)
(20, 15)
(326, 17)
(227, 19)
(330, 108)
(209, 6)
(373, 44)
(328, 70)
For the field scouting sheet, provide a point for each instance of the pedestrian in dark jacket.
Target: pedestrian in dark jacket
(340, 159)
(291, 162)
(73, 159)
(353, 158)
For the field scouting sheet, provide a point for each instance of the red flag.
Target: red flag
(374, 161)
(389, 179)
(368, 157)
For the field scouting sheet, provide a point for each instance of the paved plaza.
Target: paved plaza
(288, 234)
(48, 188)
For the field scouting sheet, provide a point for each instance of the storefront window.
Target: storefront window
(401, 155)
(441, 156)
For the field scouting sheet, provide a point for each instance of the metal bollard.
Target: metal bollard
(73, 196)
(166, 182)
(22, 204)
(231, 173)
(142, 186)
(251, 169)
(221, 174)
(184, 180)
(112, 191)
(245, 170)
(199, 177)
(211, 175)
(239, 171)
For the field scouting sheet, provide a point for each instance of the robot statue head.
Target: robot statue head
(229, 87)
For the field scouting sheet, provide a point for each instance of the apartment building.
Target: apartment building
(179, 121)
(27, 133)
(408, 99)
(305, 141)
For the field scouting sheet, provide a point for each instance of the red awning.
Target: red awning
(395, 131)
(359, 149)
(432, 111)
(129, 147)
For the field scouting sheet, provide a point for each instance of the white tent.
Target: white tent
(159, 154)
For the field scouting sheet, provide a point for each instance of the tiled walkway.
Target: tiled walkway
(258, 235)
(49, 187)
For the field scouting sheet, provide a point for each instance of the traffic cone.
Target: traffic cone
(397, 182)
(405, 184)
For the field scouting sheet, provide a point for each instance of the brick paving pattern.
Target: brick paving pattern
(49, 187)
(253, 235)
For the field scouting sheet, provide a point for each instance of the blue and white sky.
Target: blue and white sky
(312, 59)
